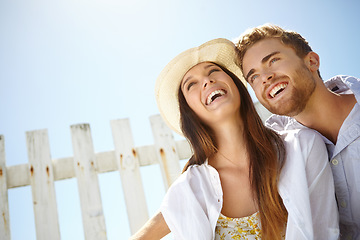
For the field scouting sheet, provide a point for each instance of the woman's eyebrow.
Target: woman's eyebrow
(189, 77)
(186, 80)
(209, 65)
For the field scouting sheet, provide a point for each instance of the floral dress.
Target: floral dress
(238, 228)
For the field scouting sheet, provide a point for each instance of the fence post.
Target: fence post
(128, 165)
(4, 203)
(42, 185)
(88, 183)
(166, 150)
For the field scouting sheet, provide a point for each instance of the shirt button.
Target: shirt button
(335, 162)
(343, 204)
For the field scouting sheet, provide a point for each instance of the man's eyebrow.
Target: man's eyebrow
(249, 73)
(264, 60)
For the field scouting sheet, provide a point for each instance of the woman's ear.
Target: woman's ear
(312, 61)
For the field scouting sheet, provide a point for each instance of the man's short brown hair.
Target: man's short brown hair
(288, 38)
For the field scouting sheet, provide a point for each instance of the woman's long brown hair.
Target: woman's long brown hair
(266, 152)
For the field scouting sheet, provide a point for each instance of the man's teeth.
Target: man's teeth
(277, 89)
(214, 95)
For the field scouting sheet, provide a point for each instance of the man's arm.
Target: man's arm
(154, 229)
(321, 190)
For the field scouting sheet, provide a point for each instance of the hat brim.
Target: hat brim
(220, 51)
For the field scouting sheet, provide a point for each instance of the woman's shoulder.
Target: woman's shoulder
(196, 181)
(192, 173)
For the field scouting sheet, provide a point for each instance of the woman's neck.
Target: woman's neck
(231, 144)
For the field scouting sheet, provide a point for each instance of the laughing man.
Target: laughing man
(284, 73)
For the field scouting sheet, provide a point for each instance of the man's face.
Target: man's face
(280, 79)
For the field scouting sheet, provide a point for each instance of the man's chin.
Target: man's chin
(285, 111)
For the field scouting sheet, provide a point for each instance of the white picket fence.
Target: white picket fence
(41, 172)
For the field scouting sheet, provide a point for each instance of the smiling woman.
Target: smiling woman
(240, 171)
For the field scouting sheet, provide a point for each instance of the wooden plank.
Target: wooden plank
(128, 165)
(106, 161)
(18, 175)
(42, 185)
(4, 203)
(88, 184)
(147, 155)
(63, 168)
(166, 150)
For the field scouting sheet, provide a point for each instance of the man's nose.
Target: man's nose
(267, 76)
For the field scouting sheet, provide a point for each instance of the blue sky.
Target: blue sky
(71, 61)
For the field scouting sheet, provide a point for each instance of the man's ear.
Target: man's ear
(312, 61)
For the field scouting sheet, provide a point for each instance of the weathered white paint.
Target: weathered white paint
(42, 185)
(4, 204)
(128, 165)
(85, 166)
(166, 150)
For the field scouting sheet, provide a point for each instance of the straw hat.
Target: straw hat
(220, 51)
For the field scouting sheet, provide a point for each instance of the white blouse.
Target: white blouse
(192, 205)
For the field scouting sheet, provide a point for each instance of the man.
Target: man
(284, 73)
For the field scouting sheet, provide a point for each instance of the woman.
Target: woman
(244, 181)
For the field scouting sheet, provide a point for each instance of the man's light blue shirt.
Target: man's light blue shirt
(344, 156)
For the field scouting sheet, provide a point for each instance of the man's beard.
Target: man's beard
(303, 85)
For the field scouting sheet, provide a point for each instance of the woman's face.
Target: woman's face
(210, 93)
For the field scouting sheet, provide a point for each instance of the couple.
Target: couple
(247, 181)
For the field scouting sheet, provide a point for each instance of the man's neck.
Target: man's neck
(326, 111)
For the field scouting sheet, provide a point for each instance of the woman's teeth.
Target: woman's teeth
(212, 96)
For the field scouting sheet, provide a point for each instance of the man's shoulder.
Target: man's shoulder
(343, 84)
(288, 127)
(282, 123)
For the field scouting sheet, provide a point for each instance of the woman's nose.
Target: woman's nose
(207, 81)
